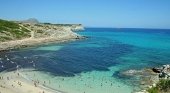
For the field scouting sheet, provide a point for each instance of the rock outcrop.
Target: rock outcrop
(155, 75)
(164, 71)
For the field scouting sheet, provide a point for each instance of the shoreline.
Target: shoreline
(149, 79)
(15, 82)
(36, 34)
(31, 42)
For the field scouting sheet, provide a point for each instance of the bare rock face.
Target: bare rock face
(156, 70)
(77, 27)
(164, 72)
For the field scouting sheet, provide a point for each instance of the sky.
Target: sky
(91, 13)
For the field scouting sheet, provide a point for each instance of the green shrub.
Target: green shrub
(153, 90)
(162, 86)
(9, 24)
(12, 30)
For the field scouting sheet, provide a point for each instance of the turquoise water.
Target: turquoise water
(93, 65)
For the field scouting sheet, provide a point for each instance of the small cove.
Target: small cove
(91, 65)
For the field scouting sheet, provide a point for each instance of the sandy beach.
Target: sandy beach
(16, 82)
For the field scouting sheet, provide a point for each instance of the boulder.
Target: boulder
(156, 70)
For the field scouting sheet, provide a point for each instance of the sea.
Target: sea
(94, 64)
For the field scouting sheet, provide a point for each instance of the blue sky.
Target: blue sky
(93, 13)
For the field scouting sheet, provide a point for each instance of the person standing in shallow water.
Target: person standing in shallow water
(18, 74)
(35, 84)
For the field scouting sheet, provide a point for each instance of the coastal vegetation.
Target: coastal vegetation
(163, 86)
(10, 30)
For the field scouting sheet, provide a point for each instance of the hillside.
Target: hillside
(51, 30)
(16, 34)
(11, 31)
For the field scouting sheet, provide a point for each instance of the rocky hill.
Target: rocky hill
(22, 34)
(10, 30)
(51, 30)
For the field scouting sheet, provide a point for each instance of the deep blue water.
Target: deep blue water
(104, 48)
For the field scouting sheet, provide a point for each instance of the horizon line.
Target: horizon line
(127, 27)
(92, 26)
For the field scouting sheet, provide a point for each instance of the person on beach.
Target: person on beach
(38, 81)
(18, 74)
(12, 85)
(19, 83)
(35, 84)
(7, 78)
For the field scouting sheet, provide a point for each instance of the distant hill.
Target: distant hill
(10, 31)
(31, 21)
